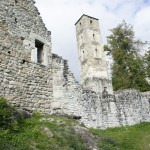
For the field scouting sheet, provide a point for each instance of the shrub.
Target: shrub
(6, 112)
(9, 117)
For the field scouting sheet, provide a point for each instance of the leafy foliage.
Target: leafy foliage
(128, 70)
(5, 114)
(9, 117)
(148, 63)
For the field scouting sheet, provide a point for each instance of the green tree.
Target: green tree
(148, 63)
(128, 69)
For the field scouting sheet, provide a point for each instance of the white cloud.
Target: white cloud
(142, 23)
(60, 16)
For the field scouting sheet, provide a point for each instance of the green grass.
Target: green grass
(135, 137)
(53, 132)
(32, 136)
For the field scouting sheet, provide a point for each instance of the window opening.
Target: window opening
(16, 1)
(90, 21)
(40, 55)
(15, 20)
(23, 61)
(80, 23)
(95, 52)
(93, 35)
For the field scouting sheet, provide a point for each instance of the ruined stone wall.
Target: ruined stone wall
(126, 107)
(66, 90)
(133, 106)
(22, 19)
(24, 82)
(91, 55)
(49, 86)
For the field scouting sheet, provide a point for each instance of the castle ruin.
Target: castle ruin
(94, 70)
(34, 79)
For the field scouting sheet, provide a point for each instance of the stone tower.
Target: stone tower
(94, 71)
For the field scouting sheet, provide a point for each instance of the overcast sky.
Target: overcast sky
(61, 15)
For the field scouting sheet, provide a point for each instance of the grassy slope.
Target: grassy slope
(135, 137)
(53, 132)
(32, 136)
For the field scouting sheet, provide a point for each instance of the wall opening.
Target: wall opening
(23, 61)
(93, 35)
(90, 21)
(95, 52)
(40, 52)
(15, 20)
(16, 1)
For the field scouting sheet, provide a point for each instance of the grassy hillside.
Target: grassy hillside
(55, 133)
(135, 137)
(52, 132)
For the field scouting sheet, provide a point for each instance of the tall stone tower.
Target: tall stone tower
(94, 71)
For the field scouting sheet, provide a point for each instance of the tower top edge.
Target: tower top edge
(86, 16)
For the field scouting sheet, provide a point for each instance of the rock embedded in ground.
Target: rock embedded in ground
(89, 140)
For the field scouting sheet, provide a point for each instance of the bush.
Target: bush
(6, 112)
(9, 117)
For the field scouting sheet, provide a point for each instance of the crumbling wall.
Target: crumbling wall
(22, 18)
(126, 107)
(133, 106)
(66, 90)
(23, 82)
(50, 87)
(96, 110)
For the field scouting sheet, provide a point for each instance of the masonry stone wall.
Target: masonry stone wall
(96, 110)
(124, 108)
(47, 85)
(22, 18)
(66, 90)
(91, 55)
(25, 83)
